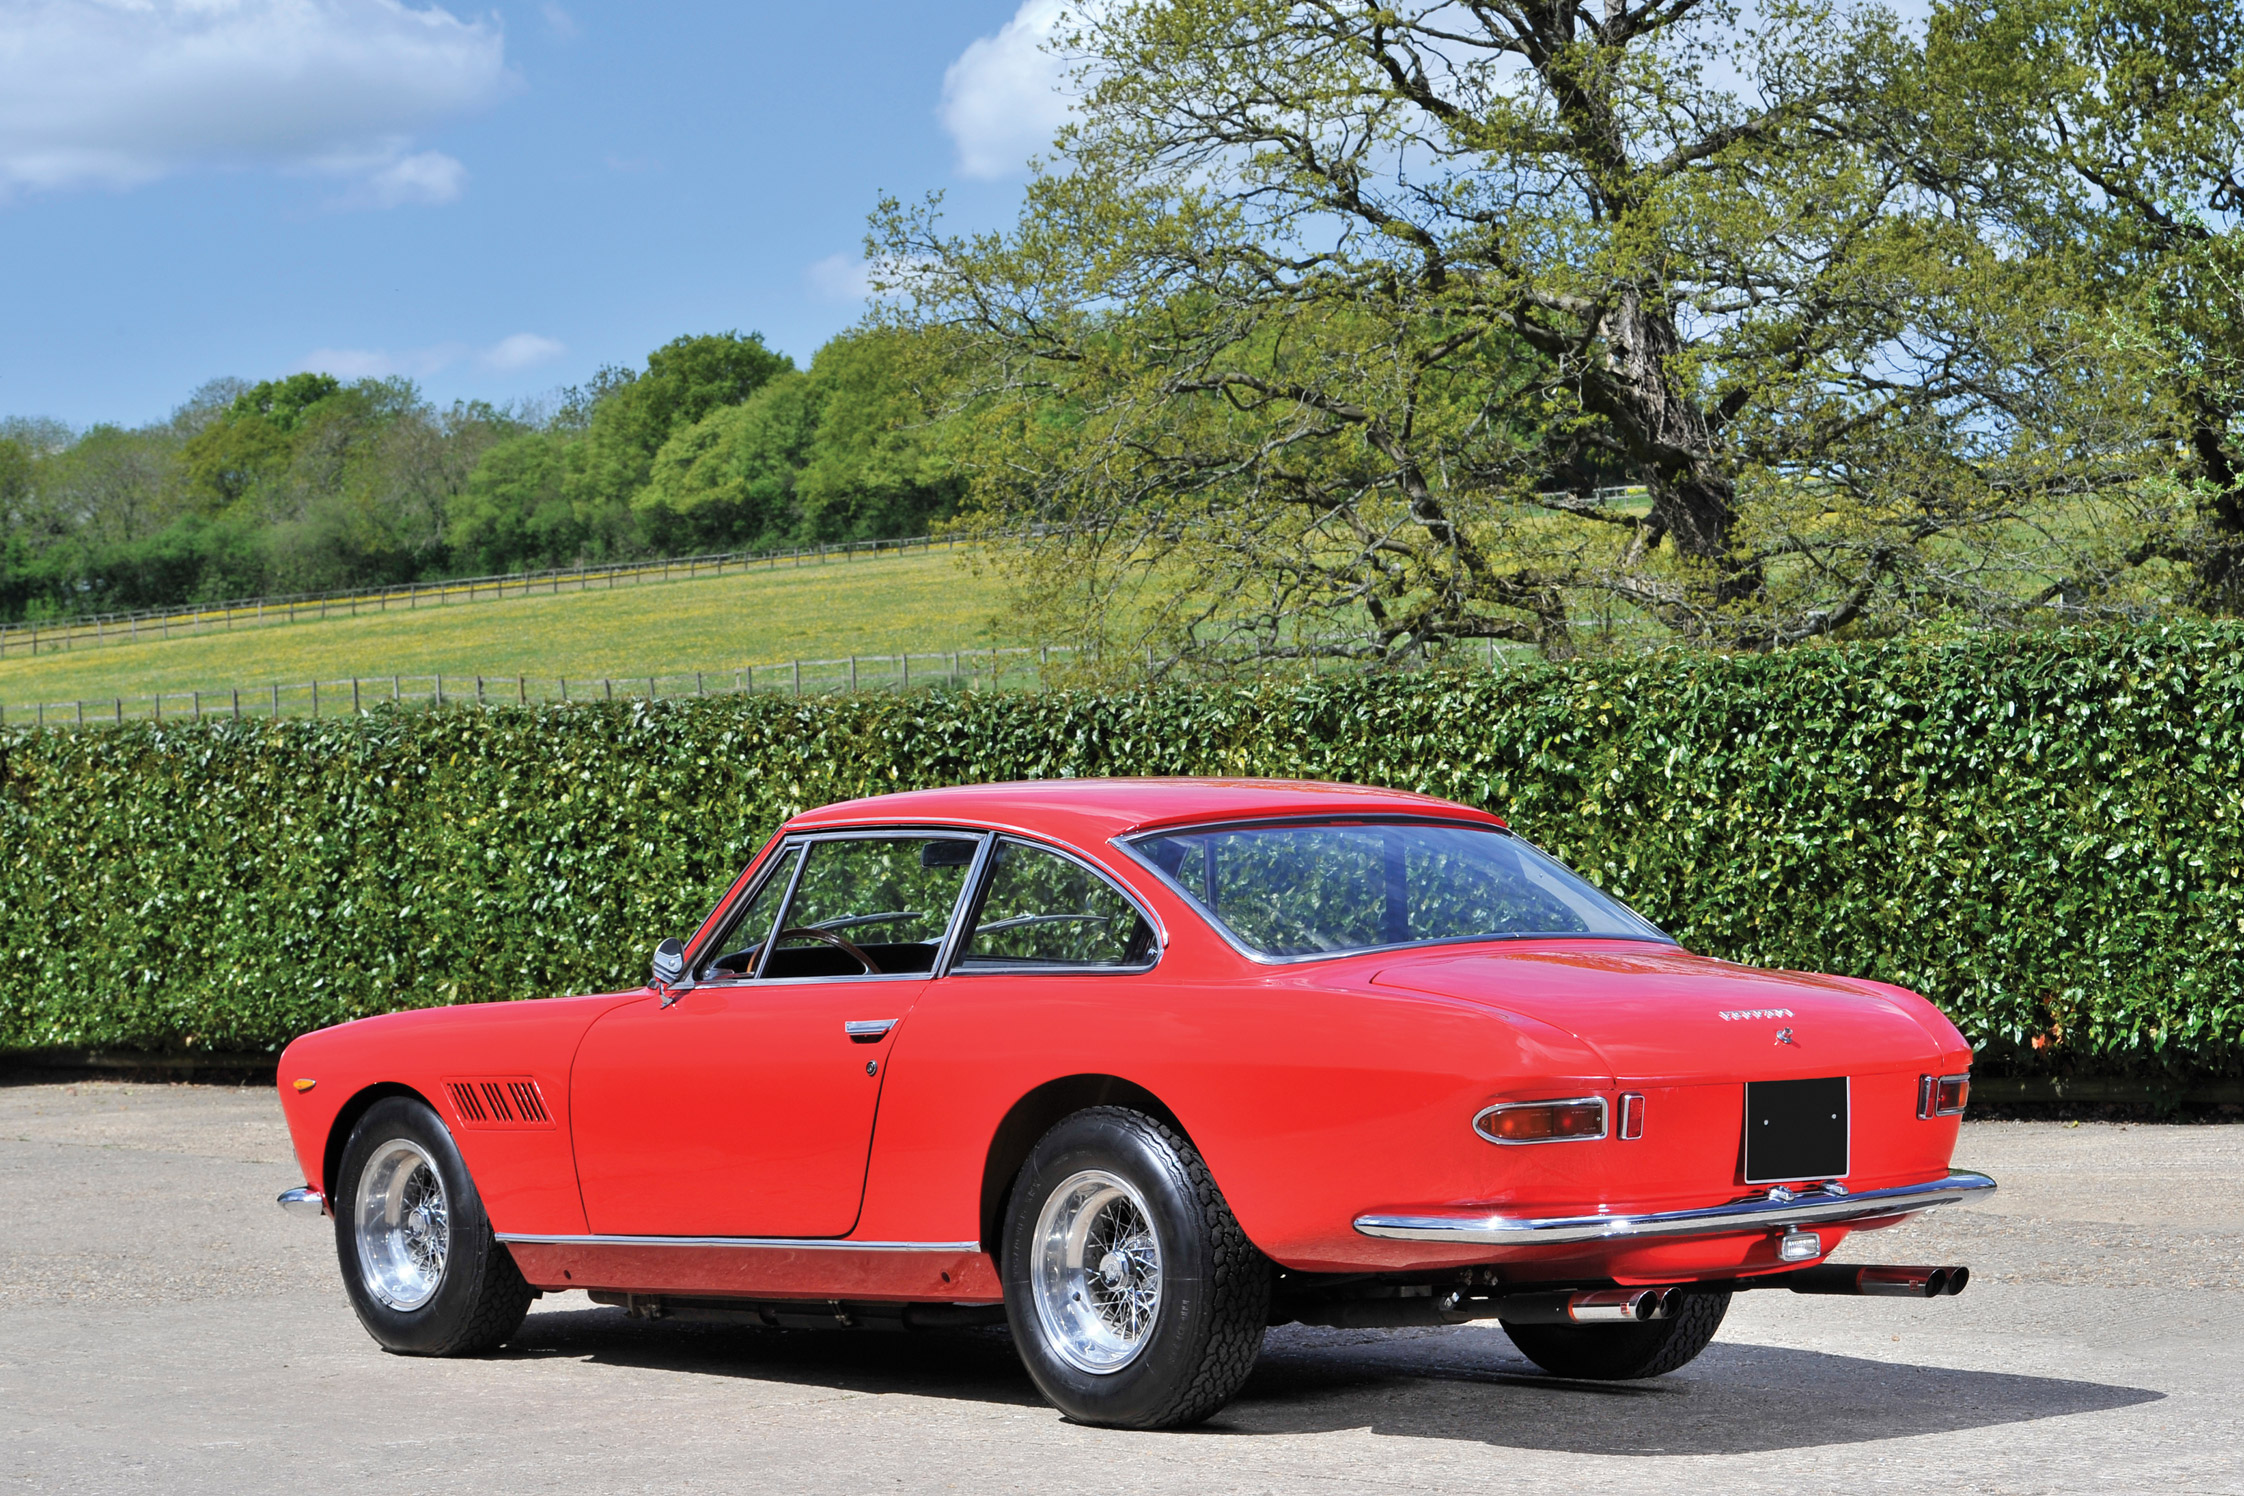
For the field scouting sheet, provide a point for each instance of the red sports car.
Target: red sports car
(1138, 1068)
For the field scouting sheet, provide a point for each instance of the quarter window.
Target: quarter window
(743, 941)
(1042, 909)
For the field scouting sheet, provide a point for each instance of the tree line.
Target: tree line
(307, 483)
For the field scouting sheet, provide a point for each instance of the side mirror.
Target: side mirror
(669, 966)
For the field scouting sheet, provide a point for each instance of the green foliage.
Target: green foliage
(309, 484)
(2044, 833)
(848, 451)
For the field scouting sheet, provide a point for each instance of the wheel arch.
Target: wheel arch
(1034, 1115)
(339, 1133)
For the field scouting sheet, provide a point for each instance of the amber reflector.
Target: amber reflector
(305, 1085)
(1543, 1122)
(1943, 1095)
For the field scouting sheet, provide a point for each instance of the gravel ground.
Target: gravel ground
(164, 1328)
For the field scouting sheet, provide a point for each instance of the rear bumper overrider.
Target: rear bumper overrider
(1774, 1211)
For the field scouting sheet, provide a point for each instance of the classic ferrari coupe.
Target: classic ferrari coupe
(1138, 1068)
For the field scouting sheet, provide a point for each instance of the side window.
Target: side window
(743, 941)
(874, 904)
(1044, 910)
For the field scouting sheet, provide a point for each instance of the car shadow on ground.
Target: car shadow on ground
(1736, 1398)
(1467, 1383)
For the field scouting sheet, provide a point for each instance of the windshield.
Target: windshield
(1302, 890)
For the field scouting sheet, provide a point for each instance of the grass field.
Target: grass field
(922, 603)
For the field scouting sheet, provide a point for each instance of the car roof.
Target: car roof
(1087, 811)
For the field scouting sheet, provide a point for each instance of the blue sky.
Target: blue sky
(494, 201)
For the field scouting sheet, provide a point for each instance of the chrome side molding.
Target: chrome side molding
(739, 1243)
(303, 1201)
(1763, 1213)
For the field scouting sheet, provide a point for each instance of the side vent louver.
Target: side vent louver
(503, 1101)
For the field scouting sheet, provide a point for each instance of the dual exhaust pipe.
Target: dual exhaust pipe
(1876, 1282)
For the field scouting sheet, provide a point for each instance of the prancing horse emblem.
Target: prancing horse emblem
(1784, 1036)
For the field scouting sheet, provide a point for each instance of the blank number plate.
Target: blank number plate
(1795, 1130)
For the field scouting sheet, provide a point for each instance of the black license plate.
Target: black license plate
(1795, 1130)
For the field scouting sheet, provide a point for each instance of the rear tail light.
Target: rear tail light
(1579, 1120)
(1943, 1095)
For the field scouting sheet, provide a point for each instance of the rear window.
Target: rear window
(1299, 890)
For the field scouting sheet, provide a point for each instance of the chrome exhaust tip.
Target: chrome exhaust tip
(1879, 1282)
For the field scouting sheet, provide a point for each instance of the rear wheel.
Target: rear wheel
(419, 1261)
(1133, 1296)
(1624, 1353)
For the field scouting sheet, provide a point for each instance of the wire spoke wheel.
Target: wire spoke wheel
(403, 1223)
(1097, 1271)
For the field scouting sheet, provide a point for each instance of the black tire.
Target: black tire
(1214, 1286)
(480, 1296)
(1624, 1353)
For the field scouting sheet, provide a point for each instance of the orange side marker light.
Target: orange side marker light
(304, 1085)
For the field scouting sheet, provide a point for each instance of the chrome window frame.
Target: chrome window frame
(803, 841)
(980, 890)
(1263, 958)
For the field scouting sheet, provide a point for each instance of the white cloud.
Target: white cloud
(428, 178)
(1006, 94)
(120, 92)
(840, 277)
(524, 350)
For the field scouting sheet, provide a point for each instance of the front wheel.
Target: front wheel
(1624, 1353)
(419, 1261)
(1133, 1296)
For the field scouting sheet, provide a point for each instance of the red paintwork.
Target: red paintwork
(1317, 1092)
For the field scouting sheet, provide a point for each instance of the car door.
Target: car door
(744, 1105)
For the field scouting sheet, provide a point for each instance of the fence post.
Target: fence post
(81, 714)
(564, 688)
(120, 711)
(609, 686)
(479, 690)
(237, 704)
(798, 677)
(698, 688)
(198, 706)
(397, 688)
(315, 700)
(904, 669)
(651, 679)
(522, 690)
(440, 683)
(276, 701)
(853, 674)
(356, 709)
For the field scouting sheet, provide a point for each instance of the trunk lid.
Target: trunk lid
(1659, 1015)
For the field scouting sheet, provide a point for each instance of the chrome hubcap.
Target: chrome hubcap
(1097, 1272)
(404, 1225)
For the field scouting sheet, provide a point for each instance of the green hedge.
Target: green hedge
(2044, 833)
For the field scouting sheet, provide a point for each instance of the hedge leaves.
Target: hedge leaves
(2043, 833)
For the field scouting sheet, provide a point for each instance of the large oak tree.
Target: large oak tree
(1328, 323)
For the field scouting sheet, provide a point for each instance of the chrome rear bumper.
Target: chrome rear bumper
(1779, 1208)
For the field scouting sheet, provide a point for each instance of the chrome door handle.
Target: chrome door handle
(866, 1030)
